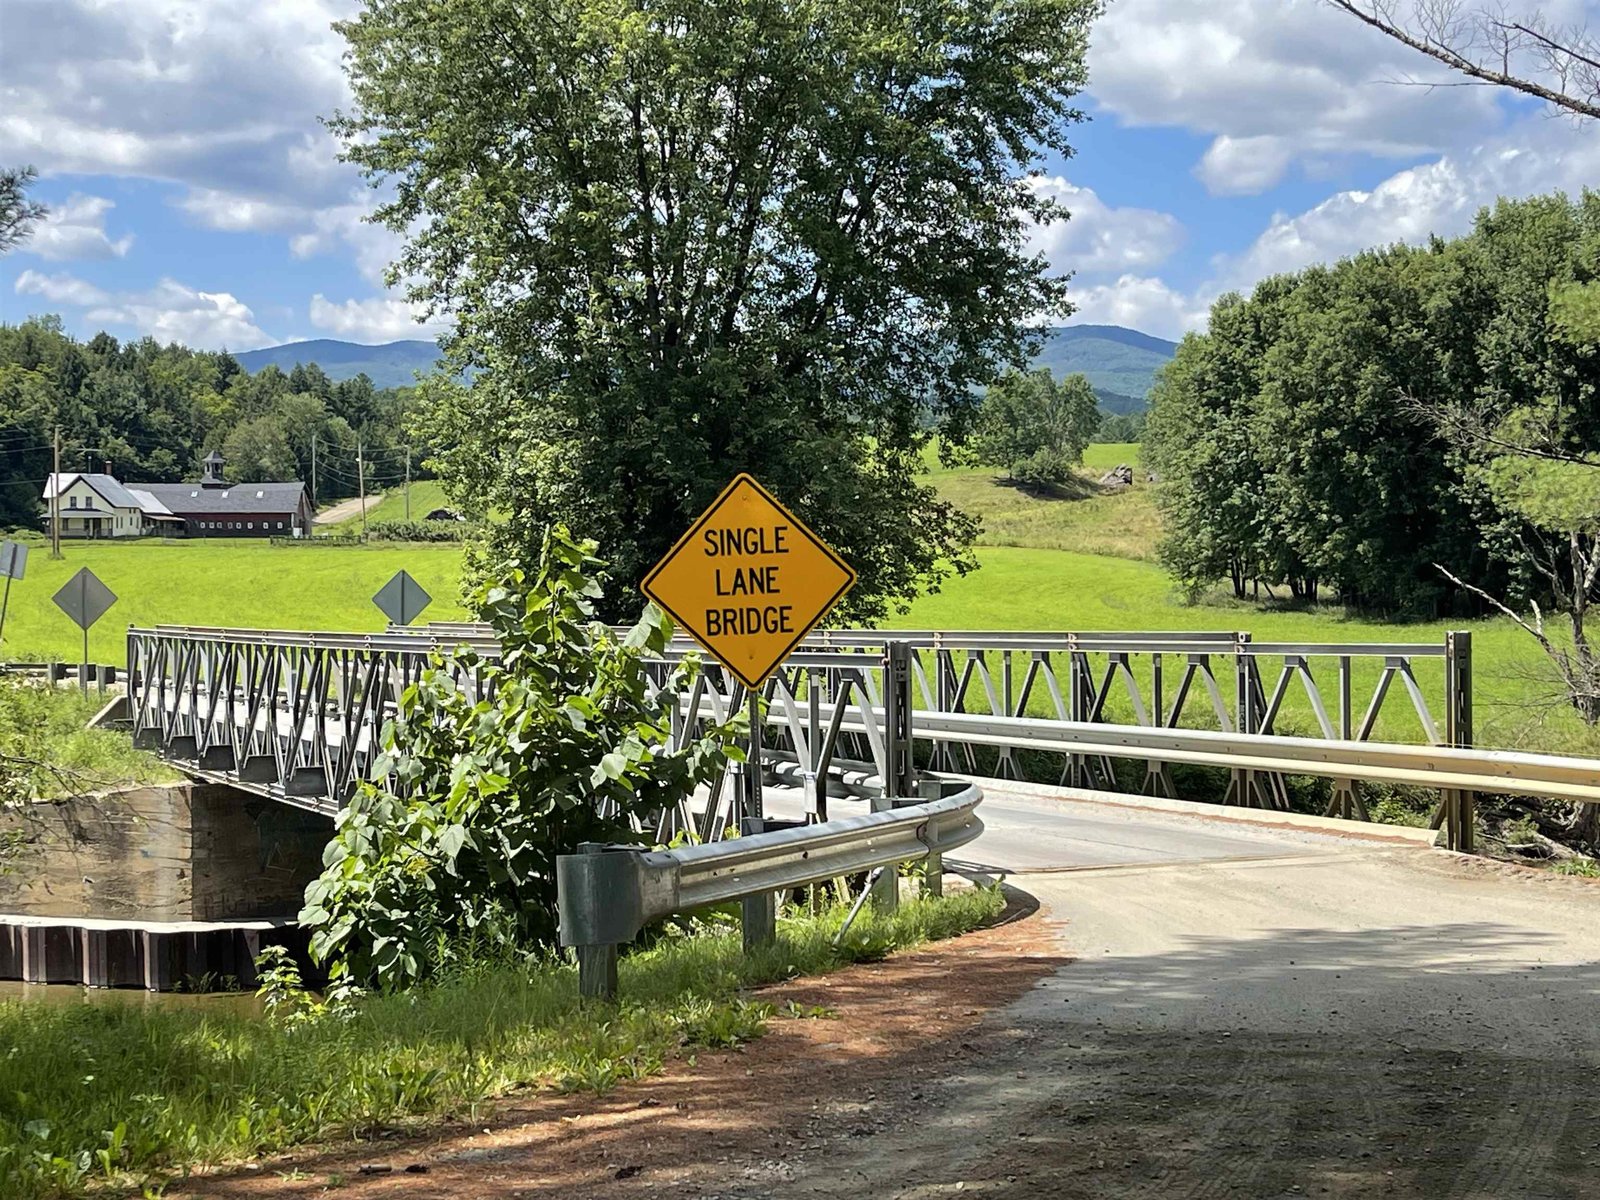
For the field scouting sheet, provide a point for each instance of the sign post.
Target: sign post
(13, 562)
(748, 582)
(85, 599)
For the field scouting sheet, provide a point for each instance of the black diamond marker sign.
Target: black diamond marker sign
(402, 599)
(84, 598)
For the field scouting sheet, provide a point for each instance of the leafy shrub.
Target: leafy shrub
(476, 792)
(420, 531)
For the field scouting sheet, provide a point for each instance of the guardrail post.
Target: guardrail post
(588, 899)
(933, 865)
(1460, 807)
(1244, 787)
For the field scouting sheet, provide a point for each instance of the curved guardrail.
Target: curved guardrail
(607, 894)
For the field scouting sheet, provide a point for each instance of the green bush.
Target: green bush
(420, 531)
(560, 740)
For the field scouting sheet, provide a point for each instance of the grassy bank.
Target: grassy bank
(120, 1092)
(426, 495)
(1048, 563)
(46, 749)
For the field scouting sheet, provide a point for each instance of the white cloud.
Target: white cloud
(235, 213)
(1272, 80)
(169, 312)
(1141, 303)
(1244, 166)
(76, 229)
(1441, 197)
(222, 96)
(345, 227)
(59, 289)
(1099, 238)
(382, 319)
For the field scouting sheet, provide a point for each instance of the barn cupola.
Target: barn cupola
(211, 476)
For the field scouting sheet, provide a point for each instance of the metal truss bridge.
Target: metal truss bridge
(297, 716)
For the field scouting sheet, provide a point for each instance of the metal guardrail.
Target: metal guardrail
(607, 894)
(296, 715)
(52, 673)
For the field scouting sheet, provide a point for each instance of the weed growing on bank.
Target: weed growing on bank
(119, 1094)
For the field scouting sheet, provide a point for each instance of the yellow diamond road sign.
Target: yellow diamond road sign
(749, 580)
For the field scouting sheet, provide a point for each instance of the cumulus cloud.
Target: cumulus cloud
(76, 229)
(1273, 80)
(176, 89)
(1441, 197)
(1244, 166)
(1143, 303)
(1099, 238)
(221, 96)
(232, 212)
(59, 289)
(169, 312)
(381, 319)
(344, 228)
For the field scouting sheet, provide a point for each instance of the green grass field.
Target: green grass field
(1082, 564)
(240, 582)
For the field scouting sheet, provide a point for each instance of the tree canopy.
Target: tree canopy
(684, 238)
(1298, 440)
(153, 412)
(1035, 427)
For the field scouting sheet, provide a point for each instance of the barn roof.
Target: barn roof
(185, 499)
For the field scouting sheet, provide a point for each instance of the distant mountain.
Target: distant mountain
(393, 364)
(1120, 363)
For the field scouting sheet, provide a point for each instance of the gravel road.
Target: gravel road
(1322, 1017)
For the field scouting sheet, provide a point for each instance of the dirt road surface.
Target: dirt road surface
(1220, 1009)
(345, 509)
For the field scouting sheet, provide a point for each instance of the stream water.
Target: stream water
(63, 993)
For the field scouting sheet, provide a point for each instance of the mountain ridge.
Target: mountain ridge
(1119, 362)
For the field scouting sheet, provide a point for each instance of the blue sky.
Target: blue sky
(195, 197)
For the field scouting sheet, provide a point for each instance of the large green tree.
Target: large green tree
(682, 238)
(1035, 427)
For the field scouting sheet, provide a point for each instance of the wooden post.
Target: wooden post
(361, 483)
(55, 501)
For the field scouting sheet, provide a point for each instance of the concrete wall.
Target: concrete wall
(180, 852)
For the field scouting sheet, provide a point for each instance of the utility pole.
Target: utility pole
(55, 501)
(313, 472)
(408, 483)
(361, 482)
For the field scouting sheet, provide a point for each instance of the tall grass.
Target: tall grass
(123, 1093)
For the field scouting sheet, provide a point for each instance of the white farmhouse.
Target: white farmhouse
(97, 506)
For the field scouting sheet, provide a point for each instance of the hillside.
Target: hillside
(1120, 363)
(393, 364)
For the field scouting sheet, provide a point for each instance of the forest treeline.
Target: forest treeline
(1361, 429)
(153, 411)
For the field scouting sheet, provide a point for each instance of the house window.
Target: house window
(280, 524)
(72, 502)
